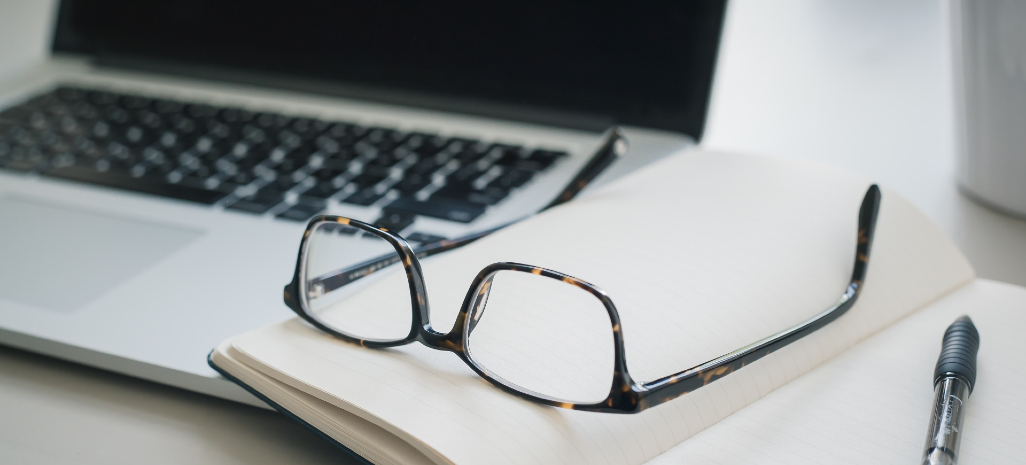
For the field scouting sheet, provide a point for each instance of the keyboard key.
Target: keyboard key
(322, 190)
(242, 178)
(412, 183)
(148, 186)
(194, 110)
(365, 197)
(307, 128)
(259, 203)
(466, 174)
(385, 159)
(427, 166)
(285, 182)
(380, 135)
(249, 206)
(272, 121)
(338, 162)
(423, 238)
(508, 159)
(368, 179)
(233, 115)
(168, 106)
(440, 207)
(395, 221)
(327, 174)
(455, 190)
(100, 97)
(226, 186)
(134, 102)
(469, 151)
(302, 211)
(513, 178)
(490, 195)
(426, 145)
(546, 158)
(68, 93)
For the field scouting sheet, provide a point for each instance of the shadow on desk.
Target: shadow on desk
(60, 412)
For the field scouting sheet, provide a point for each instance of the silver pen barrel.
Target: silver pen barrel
(954, 377)
(946, 423)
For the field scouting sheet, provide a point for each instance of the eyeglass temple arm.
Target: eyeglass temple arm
(614, 145)
(673, 386)
(333, 280)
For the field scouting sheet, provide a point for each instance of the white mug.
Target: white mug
(988, 39)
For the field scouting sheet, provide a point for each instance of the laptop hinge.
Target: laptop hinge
(518, 113)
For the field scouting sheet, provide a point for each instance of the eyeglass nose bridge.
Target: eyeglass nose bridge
(473, 308)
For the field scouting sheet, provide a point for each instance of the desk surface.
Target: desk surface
(861, 85)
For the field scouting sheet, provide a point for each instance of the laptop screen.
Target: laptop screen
(646, 64)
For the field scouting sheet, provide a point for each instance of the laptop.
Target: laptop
(158, 170)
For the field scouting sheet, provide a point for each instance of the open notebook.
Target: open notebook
(702, 253)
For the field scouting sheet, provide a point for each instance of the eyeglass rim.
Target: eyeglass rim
(625, 396)
(297, 300)
(620, 377)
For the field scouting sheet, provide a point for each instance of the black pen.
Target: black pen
(953, 381)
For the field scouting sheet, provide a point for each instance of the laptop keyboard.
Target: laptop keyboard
(259, 163)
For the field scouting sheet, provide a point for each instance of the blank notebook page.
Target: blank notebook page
(872, 404)
(702, 253)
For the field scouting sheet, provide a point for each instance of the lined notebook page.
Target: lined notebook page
(702, 253)
(872, 403)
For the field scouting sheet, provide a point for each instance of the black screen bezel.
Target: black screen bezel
(689, 121)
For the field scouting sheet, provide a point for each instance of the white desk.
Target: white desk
(862, 85)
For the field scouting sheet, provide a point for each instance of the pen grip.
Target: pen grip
(958, 352)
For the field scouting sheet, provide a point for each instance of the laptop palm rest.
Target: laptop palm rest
(62, 259)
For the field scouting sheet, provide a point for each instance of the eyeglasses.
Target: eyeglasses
(536, 333)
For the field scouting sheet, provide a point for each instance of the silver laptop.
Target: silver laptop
(156, 173)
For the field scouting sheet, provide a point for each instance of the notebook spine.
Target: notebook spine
(357, 457)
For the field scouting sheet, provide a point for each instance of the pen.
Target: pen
(953, 381)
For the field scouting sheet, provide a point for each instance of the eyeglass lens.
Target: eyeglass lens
(543, 335)
(384, 312)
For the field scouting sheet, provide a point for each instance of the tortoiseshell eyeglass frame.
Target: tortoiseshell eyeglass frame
(625, 395)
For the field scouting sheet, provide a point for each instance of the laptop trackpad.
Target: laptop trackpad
(62, 258)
